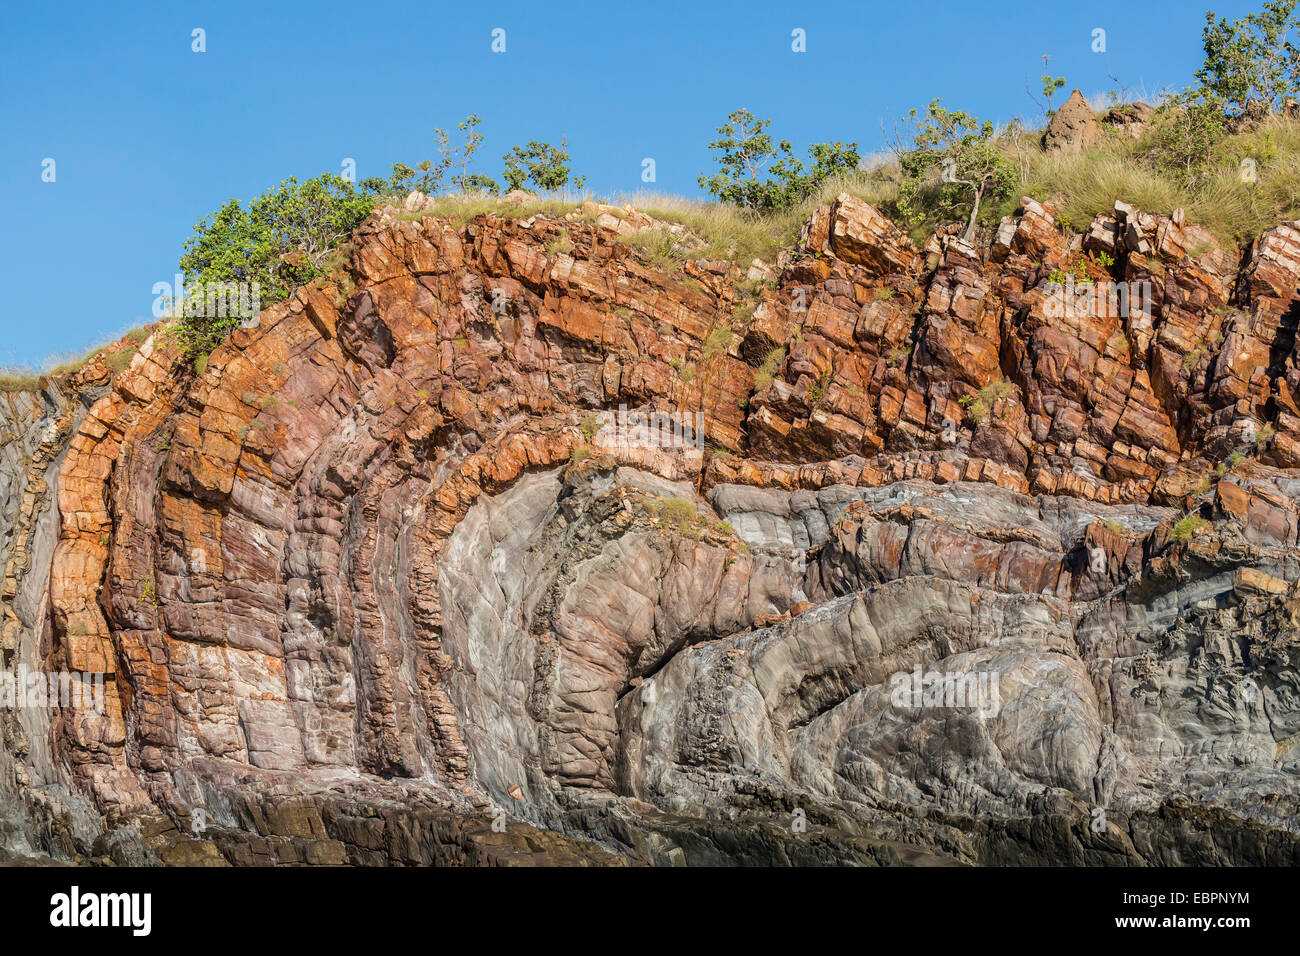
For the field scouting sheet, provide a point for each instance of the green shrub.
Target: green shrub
(434, 176)
(979, 405)
(284, 238)
(1253, 58)
(953, 165)
(745, 151)
(540, 164)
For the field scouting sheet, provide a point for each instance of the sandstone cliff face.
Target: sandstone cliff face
(393, 580)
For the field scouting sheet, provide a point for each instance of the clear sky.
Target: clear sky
(147, 136)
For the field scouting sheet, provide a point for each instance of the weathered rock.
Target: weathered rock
(1130, 120)
(399, 579)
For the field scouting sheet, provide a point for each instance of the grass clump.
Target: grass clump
(767, 371)
(980, 405)
(898, 356)
(662, 249)
(1229, 463)
(1184, 528)
(677, 514)
(715, 343)
(119, 361)
(21, 381)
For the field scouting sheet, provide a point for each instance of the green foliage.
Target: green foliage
(758, 173)
(544, 166)
(588, 427)
(1231, 462)
(451, 169)
(1188, 129)
(1050, 86)
(767, 371)
(964, 154)
(678, 514)
(1079, 272)
(980, 405)
(1184, 528)
(1251, 58)
(284, 238)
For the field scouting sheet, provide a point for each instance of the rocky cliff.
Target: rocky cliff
(955, 561)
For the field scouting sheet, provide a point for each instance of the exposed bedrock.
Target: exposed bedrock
(409, 574)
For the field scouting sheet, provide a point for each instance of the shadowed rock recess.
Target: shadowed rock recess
(394, 582)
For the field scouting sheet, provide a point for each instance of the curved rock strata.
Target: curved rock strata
(931, 566)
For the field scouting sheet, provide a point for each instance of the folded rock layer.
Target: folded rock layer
(541, 540)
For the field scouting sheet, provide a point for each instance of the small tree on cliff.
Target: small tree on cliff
(434, 177)
(1187, 131)
(745, 151)
(951, 168)
(285, 237)
(543, 165)
(1252, 58)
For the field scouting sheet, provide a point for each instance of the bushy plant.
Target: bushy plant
(1188, 129)
(544, 166)
(758, 173)
(1252, 58)
(283, 238)
(953, 165)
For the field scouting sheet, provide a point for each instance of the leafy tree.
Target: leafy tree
(539, 163)
(283, 238)
(460, 157)
(745, 151)
(433, 177)
(1251, 58)
(830, 159)
(962, 151)
(1187, 130)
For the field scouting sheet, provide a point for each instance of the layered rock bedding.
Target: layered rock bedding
(970, 553)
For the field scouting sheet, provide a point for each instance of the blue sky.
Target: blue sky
(148, 136)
